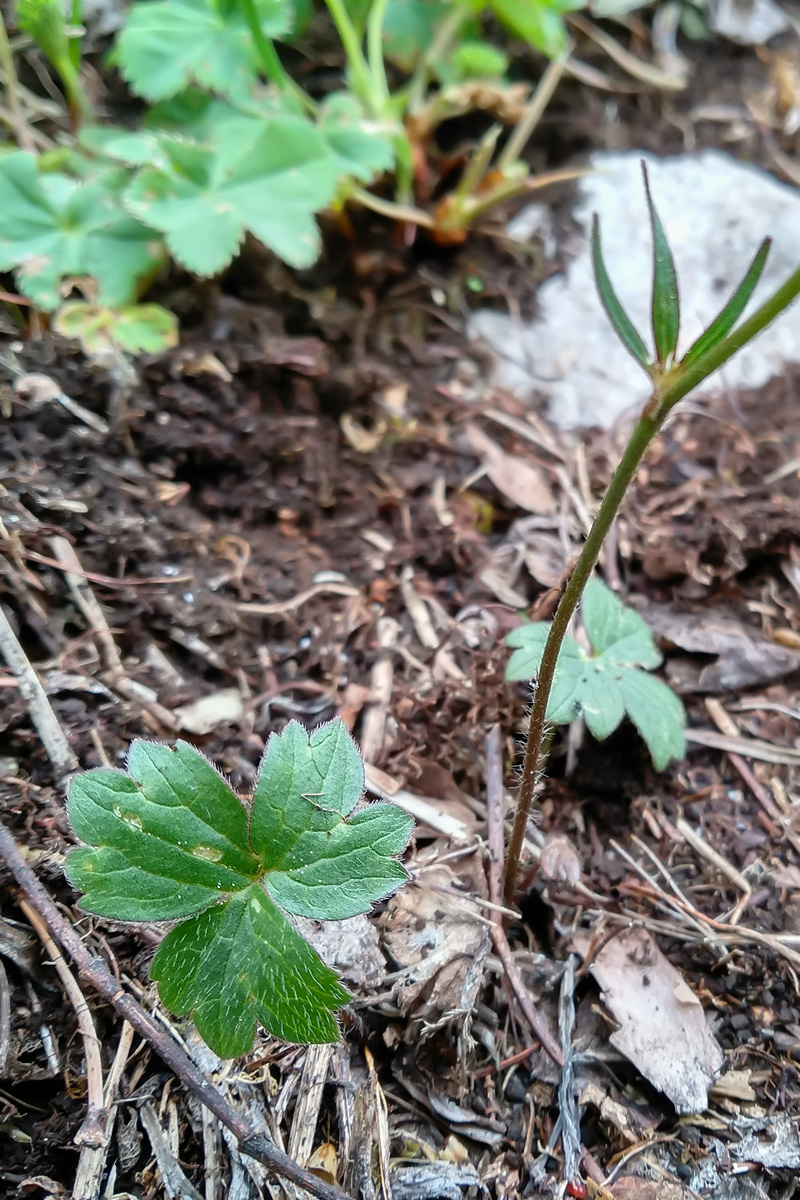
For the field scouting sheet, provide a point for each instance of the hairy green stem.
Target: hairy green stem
(668, 389)
(443, 39)
(356, 62)
(377, 65)
(643, 434)
(76, 21)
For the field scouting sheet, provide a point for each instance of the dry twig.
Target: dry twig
(44, 719)
(494, 808)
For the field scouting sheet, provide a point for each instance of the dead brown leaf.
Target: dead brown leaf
(440, 946)
(743, 658)
(520, 481)
(662, 1026)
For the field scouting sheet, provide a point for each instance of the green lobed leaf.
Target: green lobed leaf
(666, 303)
(169, 839)
(55, 228)
(267, 178)
(624, 327)
(136, 329)
(362, 147)
(472, 60)
(317, 863)
(242, 961)
(538, 22)
(600, 699)
(409, 27)
(529, 642)
(607, 686)
(657, 713)
(166, 45)
(171, 836)
(724, 323)
(616, 632)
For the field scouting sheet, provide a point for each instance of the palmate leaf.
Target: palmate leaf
(615, 631)
(56, 228)
(266, 177)
(166, 45)
(607, 685)
(169, 840)
(362, 148)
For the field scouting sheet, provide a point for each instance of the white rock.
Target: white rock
(716, 212)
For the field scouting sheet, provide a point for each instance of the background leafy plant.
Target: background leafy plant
(233, 145)
(609, 683)
(168, 840)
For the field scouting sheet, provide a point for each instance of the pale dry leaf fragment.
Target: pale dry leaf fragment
(351, 947)
(560, 861)
(743, 657)
(735, 1085)
(773, 1143)
(439, 948)
(612, 1113)
(364, 440)
(787, 876)
(520, 481)
(662, 1026)
(632, 1187)
(204, 715)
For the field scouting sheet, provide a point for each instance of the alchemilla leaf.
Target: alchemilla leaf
(56, 228)
(168, 839)
(166, 45)
(267, 178)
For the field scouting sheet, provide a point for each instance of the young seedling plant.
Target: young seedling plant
(671, 379)
(167, 840)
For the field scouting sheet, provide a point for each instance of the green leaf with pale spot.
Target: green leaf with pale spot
(136, 329)
(168, 839)
(55, 229)
(266, 177)
(166, 45)
(607, 685)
